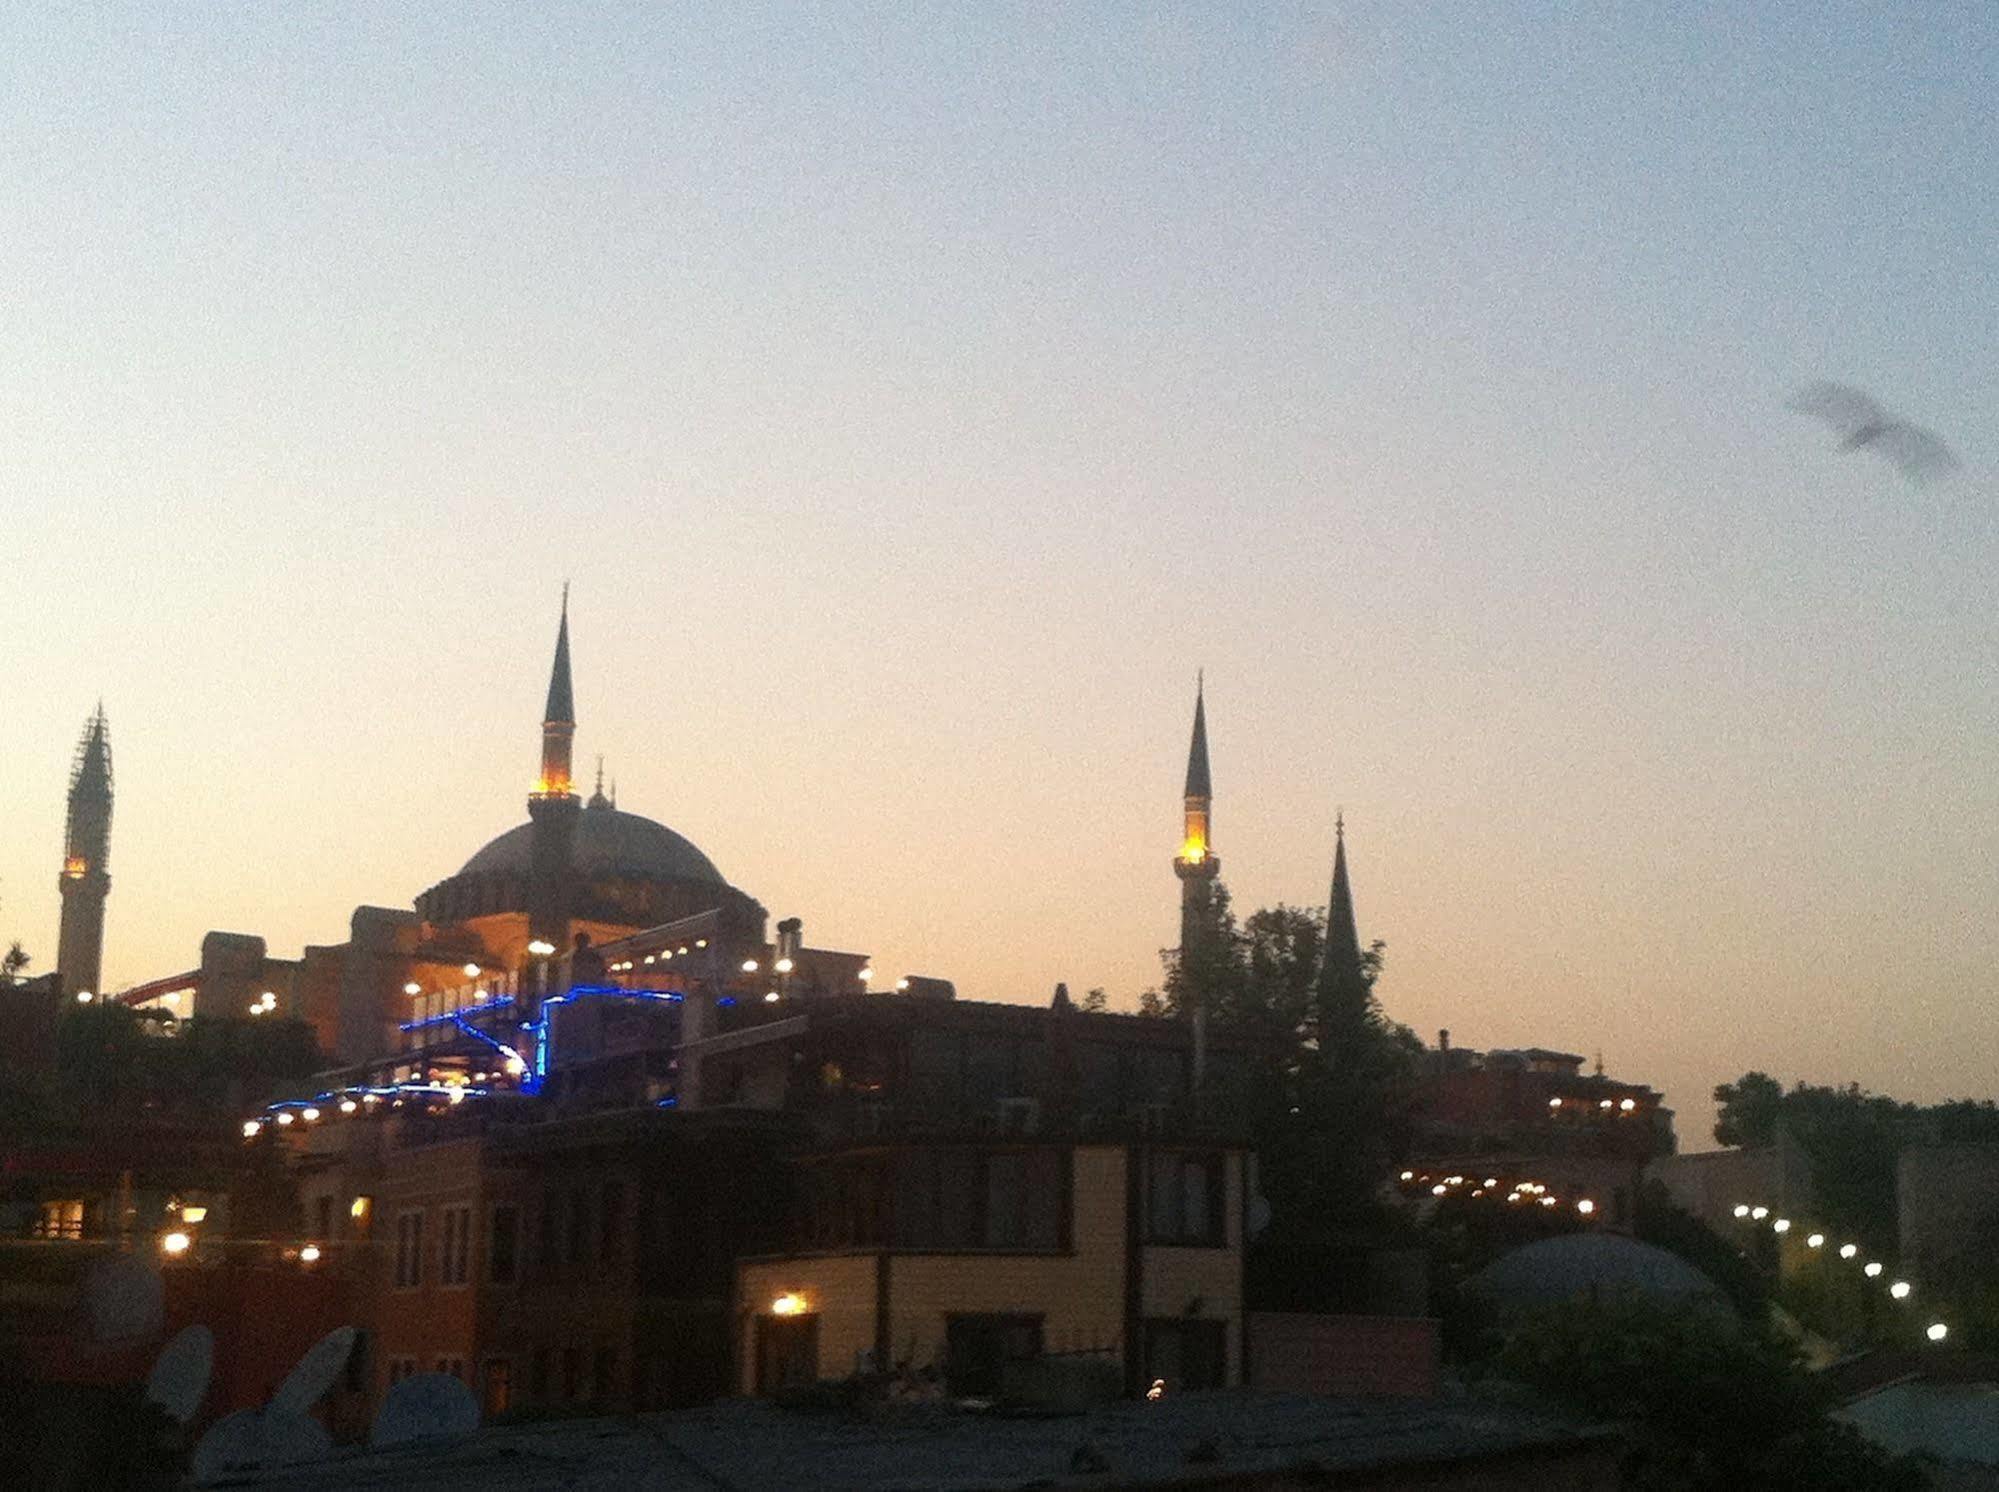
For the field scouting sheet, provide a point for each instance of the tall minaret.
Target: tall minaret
(1196, 865)
(86, 879)
(1343, 991)
(552, 806)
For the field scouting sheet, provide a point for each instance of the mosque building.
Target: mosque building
(505, 927)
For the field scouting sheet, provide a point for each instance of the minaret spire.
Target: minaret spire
(553, 805)
(86, 879)
(1342, 936)
(1196, 865)
(558, 718)
(1345, 994)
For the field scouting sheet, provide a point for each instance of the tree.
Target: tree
(1749, 1109)
(1322, 1074)
(1095, 1001)
(1707, 1403)
(13, 961)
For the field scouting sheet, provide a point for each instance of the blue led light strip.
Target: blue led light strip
(544, 1028)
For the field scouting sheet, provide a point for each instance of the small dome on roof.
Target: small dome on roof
(1593, 1266)
(608, 842)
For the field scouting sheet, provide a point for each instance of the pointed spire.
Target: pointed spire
(558, 719)
(92, 771)
(561, 708)
(1342, 936)
(1198, 785)
(597, 798)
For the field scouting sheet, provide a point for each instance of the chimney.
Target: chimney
(1444, 1040)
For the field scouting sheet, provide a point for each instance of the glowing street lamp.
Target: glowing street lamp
(1900, 1289)
(1742, 1209)
(1937, 1332)
(791, 1303)
(1816, 1241)
(176, 1243)
(1782, 1225)
(1873, 1270)
(1757, 1214)
(1848, 1250)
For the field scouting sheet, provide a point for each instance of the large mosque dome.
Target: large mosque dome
(608, 867)
(608, 842)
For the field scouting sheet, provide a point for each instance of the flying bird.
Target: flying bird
(1920, 454)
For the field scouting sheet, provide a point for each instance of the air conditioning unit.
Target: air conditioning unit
(1018, 1116)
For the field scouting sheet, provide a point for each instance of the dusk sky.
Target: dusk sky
(917, 396)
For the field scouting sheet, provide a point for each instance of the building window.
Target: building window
(579, 1229)
(503, 1246)
(452, 1367)
(1184, 1195)
(60, 1220)
(401, 1368)
(549, 1256)
(409, 1250)
(953, 1197)
(496, 1386)
(610, 1221)
(454, 1264)
(1187, 1353)
(787, 1352)
(978, 1349)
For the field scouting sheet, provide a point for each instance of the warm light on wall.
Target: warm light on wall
(1194, 851)
(358, 1207)
(75, 866)
(791, 1303)
(193, 1214)
(471, 971)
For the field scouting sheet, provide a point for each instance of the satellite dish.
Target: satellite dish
(424, 1406)
(124, 1298)
(307, 1383)
(180, 1373)
(253, 1440)
(1259, 1214)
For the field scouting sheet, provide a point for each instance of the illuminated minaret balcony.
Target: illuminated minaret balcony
(1197, 860)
